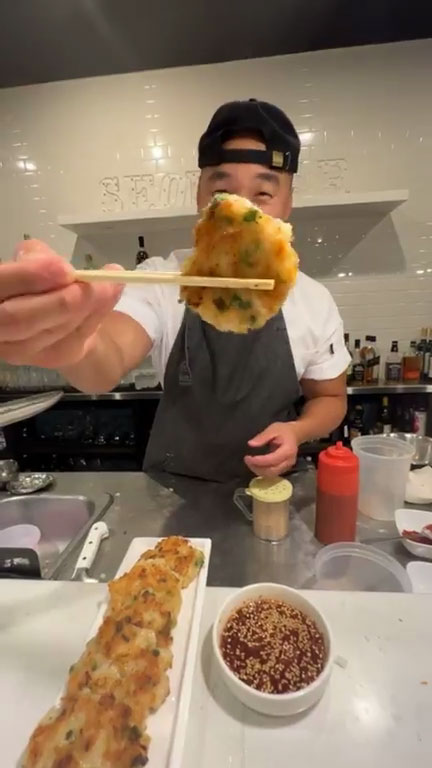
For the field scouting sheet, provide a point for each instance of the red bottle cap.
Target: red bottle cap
(338, 471)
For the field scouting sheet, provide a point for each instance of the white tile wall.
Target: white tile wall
(393, 307)
(129, 141)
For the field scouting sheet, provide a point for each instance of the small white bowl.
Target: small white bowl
(414, 520)
(279, 704)
(421, 576)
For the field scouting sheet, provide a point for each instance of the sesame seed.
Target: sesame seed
(272, 646)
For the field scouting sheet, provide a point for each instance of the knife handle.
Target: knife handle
(96, 534)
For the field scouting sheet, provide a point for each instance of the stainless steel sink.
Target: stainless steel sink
(62, 520)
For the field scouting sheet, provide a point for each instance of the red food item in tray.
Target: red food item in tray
(417, 537)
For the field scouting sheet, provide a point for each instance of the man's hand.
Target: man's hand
(283, 440)
(324, 410)
(46, 318)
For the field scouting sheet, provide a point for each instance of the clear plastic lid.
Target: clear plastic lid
(358, 567)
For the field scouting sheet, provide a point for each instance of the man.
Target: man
(229, 401)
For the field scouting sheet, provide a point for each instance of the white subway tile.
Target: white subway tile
(357, 138)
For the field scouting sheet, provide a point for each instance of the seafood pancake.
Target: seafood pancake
(235, 239)
(179, 554)
(87, 732)
(142, 582)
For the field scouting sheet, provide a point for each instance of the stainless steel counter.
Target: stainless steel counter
(144, 507)
(376, 389)
(141, 394)
(72, 397)
(144, 394)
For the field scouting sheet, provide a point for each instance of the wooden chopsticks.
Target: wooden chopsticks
(141, 277)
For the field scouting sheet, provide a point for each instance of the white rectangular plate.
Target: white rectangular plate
(167, 727)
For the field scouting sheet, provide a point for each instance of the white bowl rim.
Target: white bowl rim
(419, 565)
(415, 568)
(283, 697)
(410, 511)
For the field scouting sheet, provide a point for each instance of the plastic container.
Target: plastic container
(384, 468)
(337, 495)
(24, 535)
(357, 567)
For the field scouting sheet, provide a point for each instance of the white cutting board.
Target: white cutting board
(43, 628)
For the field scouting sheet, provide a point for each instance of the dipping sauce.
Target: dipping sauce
(272, 646)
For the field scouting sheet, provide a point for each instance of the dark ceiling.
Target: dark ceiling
(43, 40)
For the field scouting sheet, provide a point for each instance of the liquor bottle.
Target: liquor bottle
(89, 261)
(421, 352)
(407, 424)
(384, 423)
(358, 367)
(412, 364)
(345, 434)
(419, 419)
(142, 254)
(427, 352)
(429, 377)
(349, 371)
(356, 422)
(403, 419)
(371, 359)
(393, 365)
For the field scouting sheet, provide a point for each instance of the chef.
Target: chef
(231, 403)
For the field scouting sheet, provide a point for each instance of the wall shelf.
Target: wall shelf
(390, 389)
(348, 204)
(330, 206)
(131, 222)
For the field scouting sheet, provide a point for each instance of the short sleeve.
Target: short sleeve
(145, 303)
(142, 305)
(331, 357)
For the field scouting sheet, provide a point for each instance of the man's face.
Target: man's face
(268, 189)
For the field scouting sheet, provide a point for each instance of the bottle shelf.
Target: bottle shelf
(390, 389)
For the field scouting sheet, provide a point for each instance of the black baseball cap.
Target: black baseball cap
(252, 116)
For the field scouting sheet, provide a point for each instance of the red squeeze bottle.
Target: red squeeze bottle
(337, 495)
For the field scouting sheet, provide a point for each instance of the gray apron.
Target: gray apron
(220, 390)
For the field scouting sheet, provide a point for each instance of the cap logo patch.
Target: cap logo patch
(277, 159)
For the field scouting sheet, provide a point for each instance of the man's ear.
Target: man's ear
(289, 201)
(288, 208)
(198, 193)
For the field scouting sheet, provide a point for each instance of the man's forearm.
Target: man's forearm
(119, 345)
(319, 417)
(100, 370)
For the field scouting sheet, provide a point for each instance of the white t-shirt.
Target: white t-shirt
(312, 319)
